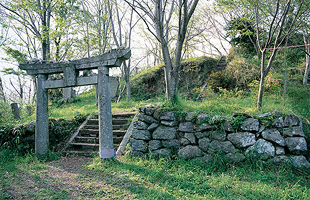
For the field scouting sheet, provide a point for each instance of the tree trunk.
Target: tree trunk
(1, 90)
(261, 83)
(306, 75)
(307, 48)
(168, 73)
(127, 75)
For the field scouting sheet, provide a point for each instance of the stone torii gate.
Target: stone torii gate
(70, 71)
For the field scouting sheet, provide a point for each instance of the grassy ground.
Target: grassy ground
(136, 178)
(128, 178)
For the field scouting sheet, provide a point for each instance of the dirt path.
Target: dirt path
(66, 178)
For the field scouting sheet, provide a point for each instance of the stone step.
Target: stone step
(118, 121)
(115, 127)
(119, 115)
(119, 132)
(117, 140)
(84, 146)
(95, 140)
(95, 132)
(83, 139)
(89, 132)
(87, 141)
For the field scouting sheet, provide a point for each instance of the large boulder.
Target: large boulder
(280, 150)
(293, 131)
(190, 152)
(234, 157)
(264, 115)
(250, 124)
(243, 139)
(141, 134)
(171, 143)
(184, 141)
(155, 144)
(146, 118)
(136, 154)
(273, 135)
(169, 123)
(218, 146)
(140, 125)
(300, 162)
(279, 122)
(296, 161)
(262, 148)
(296, 145)
(164, 133)
(152, 127)
(204, 127)
(148, 109)
(292, 120)
(204, 144)
(168, 116)
(186, 127)
(218, 135)
(138, 145)
(190, 137)
(227, 127)
(162, 152)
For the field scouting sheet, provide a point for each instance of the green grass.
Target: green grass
(137, 178)
(219, 105)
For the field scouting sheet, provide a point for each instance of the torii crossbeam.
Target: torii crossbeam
(70, 70)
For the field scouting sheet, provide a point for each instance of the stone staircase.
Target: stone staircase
(86, 140)
(221, 64)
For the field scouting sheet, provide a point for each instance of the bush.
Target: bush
(222, 79)
(21, 138)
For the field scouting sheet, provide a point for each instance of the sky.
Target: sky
(138, 44)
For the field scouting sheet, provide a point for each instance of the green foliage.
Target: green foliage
(11, 71)
(21, 138)
(222, 79)
(237, 121)
(6, 115)
(15, 54)
(240, 71)
(150, 83)
(298, 97)
(267, 121)
(242, 32)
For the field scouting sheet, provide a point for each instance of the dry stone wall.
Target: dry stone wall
(269, 136)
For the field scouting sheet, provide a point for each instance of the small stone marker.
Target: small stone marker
(15, 110)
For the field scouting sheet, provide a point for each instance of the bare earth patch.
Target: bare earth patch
(66, 178)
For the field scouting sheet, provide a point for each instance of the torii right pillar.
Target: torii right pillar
(106, 149)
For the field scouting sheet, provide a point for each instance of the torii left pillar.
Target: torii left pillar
(41, 133)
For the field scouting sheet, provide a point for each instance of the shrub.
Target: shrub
(271, 85)
(21, 138)
(222, 79)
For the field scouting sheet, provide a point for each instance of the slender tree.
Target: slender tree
(122, 24)
(157, 16)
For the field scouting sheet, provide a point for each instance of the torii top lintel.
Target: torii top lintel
(113, 58)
